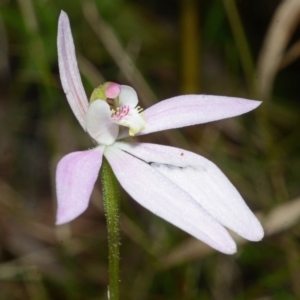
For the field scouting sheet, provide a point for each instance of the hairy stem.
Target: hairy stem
(111, 206)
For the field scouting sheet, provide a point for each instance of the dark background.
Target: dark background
(189, 46)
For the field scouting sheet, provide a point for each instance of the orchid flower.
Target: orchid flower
(181, 187)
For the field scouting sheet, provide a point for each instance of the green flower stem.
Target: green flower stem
(111, 206)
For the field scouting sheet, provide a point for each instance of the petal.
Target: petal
(68, 69)
(165, 199)
(204, 182)
(189, 110)
(99, 124)
(76, 175)
(128, 96)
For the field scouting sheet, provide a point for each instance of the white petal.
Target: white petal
(203, 181)
(68, 69)
(165, 199)
(99, 124)
(193, 109)
(128, 96)
(76, 175)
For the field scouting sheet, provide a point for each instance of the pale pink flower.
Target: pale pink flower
(181, 187)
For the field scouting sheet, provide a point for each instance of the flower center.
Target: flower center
(123, 102)
(120, 112)
(129, 117)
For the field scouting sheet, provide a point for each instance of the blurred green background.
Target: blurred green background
(239, 48)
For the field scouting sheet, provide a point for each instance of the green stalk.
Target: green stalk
(241, 42)
(111, 206)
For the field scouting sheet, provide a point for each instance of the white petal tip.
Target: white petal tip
(62, 15)
(253, 233)
(63, 19)
(60, 220)
(255, 103)
(67, 215)
(230, 250)
(257, 235)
